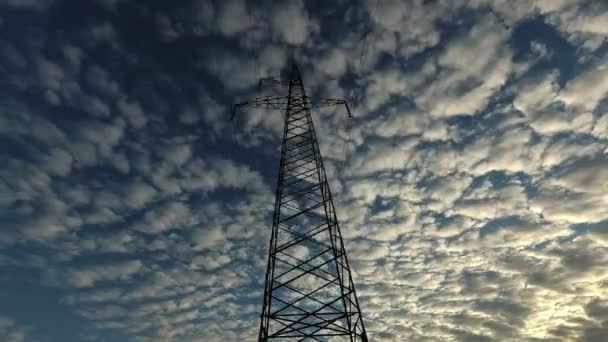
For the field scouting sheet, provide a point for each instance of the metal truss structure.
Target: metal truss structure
(309, 294)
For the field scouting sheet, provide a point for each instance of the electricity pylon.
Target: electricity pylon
(309, 294)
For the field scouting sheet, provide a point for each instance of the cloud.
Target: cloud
(139, 194)
(583, 177)
(567, 150)
(89, 276)
(273, 56)
(178, 154)
(587, 24)
(58, 162)
(167, 217)
(522, 233)
(334, 63)
(443, 191)
(291, 22)
(535, 96)
(587, 89)
(100, 80)
(458, 90)
(233, 17)
(575, 194)
(548, 111)
(221, 173)
(95, 106)
(50, 75)
(207, 238)
(509, 151)
(414, 34)
(581, 24)
(494, 203)
(10, 331)
(211, 263)
(133, 112)
(383, 156)
(222, 63)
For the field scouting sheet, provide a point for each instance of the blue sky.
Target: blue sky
(472, 192)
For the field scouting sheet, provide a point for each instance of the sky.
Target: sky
(471, 189)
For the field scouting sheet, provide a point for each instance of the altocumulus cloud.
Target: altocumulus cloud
(472, 193)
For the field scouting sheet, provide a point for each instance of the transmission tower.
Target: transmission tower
(309, 294)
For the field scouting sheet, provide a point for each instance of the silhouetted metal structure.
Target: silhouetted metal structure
(309, 293)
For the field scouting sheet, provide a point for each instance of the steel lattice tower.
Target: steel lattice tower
(309, 294)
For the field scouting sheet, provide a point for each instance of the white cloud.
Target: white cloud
(209, 237)
(582, 25)
(333, 63)
(561, 151)
(50, 74)
(390, 14)
(220, 173)
(11, 331)
(600, 127)
(413, 24)
(541, 102)
(383, 84)
(587, 88)
(589, 24)
(169, 216)
(509, 151)
(222, 63)
(100, 79)
(44, 228)
(104, 136)
(198, 18)
(463, 88)
(445, 190)
(490, 202)
(537, 95)
(58, 162)
(94, 105)
(525, 234)
(233, 17)
(210, 263)
(178, 154)
(89, 276)
(450, 227)
(513, 12)
(274, 57)
(104, 312)
(103, 32)
(385, 156)
(584, 176)
(100, 216)
(573, 207)
(139, 193)
(400, 124)
(290, 21)
(133, 111)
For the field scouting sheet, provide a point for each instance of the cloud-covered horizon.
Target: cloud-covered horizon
(471, 190)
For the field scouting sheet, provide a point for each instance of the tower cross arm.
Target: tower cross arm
(281, 102)
(327, 102)
(270, 102)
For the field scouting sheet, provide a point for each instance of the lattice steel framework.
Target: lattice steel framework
(309, 294)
